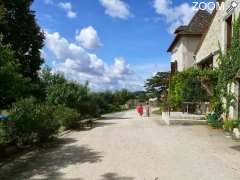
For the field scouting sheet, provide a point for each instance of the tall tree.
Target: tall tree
(158, 85)
(19, 28)
(11, 81)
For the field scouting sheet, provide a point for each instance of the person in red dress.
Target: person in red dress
(140, 109)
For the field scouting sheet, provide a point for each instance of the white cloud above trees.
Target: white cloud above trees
(78, 64)
(88, 38)
(116, 8)
(67, 6)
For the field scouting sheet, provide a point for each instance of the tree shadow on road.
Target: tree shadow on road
(47, 163)
(237, 148)
(102, 124)
(115, 176)
(114, 118)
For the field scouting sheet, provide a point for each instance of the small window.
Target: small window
(229, 31)
(173, 67)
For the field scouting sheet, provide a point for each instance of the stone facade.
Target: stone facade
(215, 36)
(212, 38)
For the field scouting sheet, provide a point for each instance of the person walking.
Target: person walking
(147, 107)
(140, 109)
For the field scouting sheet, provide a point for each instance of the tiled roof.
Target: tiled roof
(197, 26)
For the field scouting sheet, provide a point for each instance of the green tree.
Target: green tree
(11, 81)
(122, 96)
(19, 28)
(141, 96)
(158, 85)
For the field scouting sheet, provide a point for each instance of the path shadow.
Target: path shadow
(46, 164)
(102, 124)
(21, 151)
(96, 124)
(115, 176)
(237, 148)
(114, 118)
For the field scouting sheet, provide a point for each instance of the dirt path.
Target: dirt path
(125, 147)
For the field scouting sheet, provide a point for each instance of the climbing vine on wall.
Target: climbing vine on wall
(229, 69)
(186, 86)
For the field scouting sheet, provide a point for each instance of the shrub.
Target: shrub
(11, 80)
(214, 120)
(47, 126)
(24, 120)
(230, 125)
(32, 122)
(236, 123)
(4, 134)
(66, 116)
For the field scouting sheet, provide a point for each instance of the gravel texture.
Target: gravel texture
(124, 146)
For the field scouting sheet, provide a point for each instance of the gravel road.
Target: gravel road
(126, 147)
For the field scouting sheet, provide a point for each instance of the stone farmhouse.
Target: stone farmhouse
(200, 47)
(186, 41)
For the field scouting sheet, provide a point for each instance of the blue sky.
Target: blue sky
(113, 44)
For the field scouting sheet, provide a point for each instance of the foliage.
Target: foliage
(71, 95)
(230, 125)
(32, 122)
(158, 85)
(4, 132)
(66, 116)
(141, 96)
(12, 82)
(59, 91)
(186, 86)
(214, 120)
(19, 28)
(176, 92)
(229, 68)
(47, 126)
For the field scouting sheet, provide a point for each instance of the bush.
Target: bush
(236, 123)
(230, 125)
(32, 122)
(66, 116)
(11, 80)
(214, 120)
(47, 126)
(4, 134)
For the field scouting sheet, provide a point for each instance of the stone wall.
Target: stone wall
(212, 38)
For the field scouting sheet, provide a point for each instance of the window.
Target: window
(229, 31)
(173, 67)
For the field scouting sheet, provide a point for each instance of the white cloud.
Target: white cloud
(78, 64)
(88, 38)
(175, 15)
(120, 68)
(71, 14)
(116, 8)
(67, 6)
